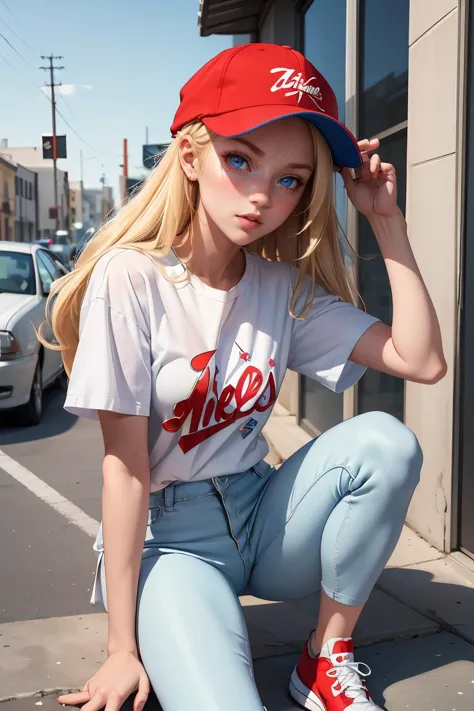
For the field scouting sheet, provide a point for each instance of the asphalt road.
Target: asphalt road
(46, 562)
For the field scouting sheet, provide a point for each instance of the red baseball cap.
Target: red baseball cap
(251, 85)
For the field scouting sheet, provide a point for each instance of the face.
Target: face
(249, 186)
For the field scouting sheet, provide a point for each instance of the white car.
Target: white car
(26, 367)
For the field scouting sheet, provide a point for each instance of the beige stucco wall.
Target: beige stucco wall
(7, 194)
(434, 129)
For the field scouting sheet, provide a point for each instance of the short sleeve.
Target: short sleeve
(322, 343)
(112, 365)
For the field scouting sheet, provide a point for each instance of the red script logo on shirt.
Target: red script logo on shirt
(205, 403)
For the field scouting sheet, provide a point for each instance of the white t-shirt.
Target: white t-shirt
(204, 365)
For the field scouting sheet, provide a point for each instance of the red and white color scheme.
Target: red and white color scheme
(250, 85)
(333, 681)
(204, 365)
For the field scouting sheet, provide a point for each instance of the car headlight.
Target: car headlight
(9, 346)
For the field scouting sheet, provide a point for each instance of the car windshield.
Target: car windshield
(17, 274)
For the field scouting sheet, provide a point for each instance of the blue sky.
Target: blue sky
(135, 54)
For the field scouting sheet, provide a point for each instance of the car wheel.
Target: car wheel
(30, 414)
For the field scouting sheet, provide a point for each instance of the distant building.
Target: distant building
(26, 204)
(32, 158)
(7, 198)
(75, 203)
(89, 206)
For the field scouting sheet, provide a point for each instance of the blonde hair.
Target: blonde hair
(164, 208)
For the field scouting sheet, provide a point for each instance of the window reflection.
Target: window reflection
(325, 47)
(325, 44)
(383, 65)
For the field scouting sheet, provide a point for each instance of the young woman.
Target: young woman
(177, 327)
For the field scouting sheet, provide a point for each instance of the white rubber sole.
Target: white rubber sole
(304, 696)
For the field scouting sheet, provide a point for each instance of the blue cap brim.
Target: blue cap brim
(343, 146)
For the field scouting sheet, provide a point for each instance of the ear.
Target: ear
(188, 158)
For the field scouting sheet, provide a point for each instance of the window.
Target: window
(49, 269)
(325, 47)
(16, 273)
(45, 272)
(324, 38)
(52, 264)
(382, 110)
(383, 65)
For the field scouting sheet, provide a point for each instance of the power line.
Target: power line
(89, 145)
(16, 51)
(67, 105)
(97, 150)
(18, 36)
(15, 69)
(11, 13)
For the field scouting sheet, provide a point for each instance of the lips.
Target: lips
(252, 217)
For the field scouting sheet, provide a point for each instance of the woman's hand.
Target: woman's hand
(118, 677)
(373, 191)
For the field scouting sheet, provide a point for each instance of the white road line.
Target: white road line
(50, 496)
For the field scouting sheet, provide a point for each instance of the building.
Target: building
(90, 206)
(76, 203)
(32, 158)
(26, 204)
(47, 223)
(7, 199)
(401, 71)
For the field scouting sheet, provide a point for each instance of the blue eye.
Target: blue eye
(236, 161)
(290, 182)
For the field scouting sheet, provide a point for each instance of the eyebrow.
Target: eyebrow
(258, 151)
(304, 166)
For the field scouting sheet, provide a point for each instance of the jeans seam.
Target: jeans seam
(199, 496)
(188, 498)
(290, 516)
(235, 539)
(336, 547)
(340, 597)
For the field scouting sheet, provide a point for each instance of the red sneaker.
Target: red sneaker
(333, 681)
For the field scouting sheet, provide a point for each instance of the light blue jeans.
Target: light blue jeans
(328, 518)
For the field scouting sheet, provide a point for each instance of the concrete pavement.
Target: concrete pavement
(417, 631)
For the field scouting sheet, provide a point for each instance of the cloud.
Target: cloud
(66, 89)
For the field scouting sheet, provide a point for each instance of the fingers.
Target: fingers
(366, 145)
(80, 697)
(115, 702)
(99, 700)
(375, 164)
(142, 694)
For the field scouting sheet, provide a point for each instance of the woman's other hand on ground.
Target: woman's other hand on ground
(118, 677)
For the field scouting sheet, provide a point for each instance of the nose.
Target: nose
(260, 199)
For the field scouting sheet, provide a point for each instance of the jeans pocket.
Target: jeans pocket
(154, 514)
(261, 468)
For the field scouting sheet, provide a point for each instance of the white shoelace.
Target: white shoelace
(347, 675)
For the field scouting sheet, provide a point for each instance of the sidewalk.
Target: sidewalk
(416, 632)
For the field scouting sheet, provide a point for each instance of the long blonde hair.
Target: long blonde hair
(164, 208)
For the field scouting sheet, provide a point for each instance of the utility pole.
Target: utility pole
(103, 180)
(51, 69)
(82, 191)
(125, 168)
